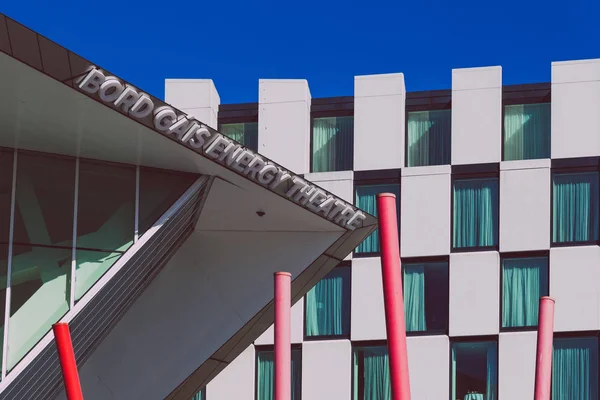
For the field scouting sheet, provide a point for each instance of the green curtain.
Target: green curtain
(333, 144)
(245, 133)
(414, 297)
(429, 138)
(575, 207)
(201, 395)
(372, 373)
(524, 281)
(467, 374)
(526, 131)
(575, 369)
(265, 375)
(491, 387)
(475, 213)
(366, 200)
(328, 305)
(234, 131)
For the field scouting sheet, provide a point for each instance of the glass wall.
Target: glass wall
(327, 307)
(428, 138)
(474, 371)
(371, 373)
(332, 144)
(264, 374)
(526, 131)
(366, 199)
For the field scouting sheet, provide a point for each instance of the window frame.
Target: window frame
(362, 343)
(270, 347)
(245, 113)
(475, 339)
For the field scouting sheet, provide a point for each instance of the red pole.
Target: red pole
(543, 360)
(283, 346)
(64, 345)
(392, 295)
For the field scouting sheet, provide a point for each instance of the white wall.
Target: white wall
(476, 115)
(474, 294)
(368, 314)
(284, 122)
(379, 108)
(340, 183)
(326, 370)
(525, 205)
(297, 328)
(196, 97)
(575, 105)
(574, 284)
(425, 211)
(516, 365)
(236, 381)
(429, 367)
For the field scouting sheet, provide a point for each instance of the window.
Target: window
(575, 369)
(327, 306)
(332, 144)
(366, 199)
(245, 133)
(201, 395)
(474, 370)
(265, 369)
(526, 131)
(475, 213)
(574, 207)
(524, 281)
(428, 138)
(426, 296)
(371, 373)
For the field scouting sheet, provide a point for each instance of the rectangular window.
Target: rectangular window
(428, 138)
(201, 395)
(366, 199)
(474, 371)
(327, 306)
(524, 281)
(575, 369)
(475, 213)
(426, 296)
(332, 144)
(245, 133)
(371, 373)
(526, 131)
(575, 207)
(265, 369)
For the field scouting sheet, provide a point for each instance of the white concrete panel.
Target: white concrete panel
(474, 293)
(476, 115)
(425, 210)
(297, 326)
(340, 183)
(429, 367)
(516, 365)
(284, 122)
(236, 381)
(379, 108)
(525, 209)
(368, 314)
(196, 97)
(575, 105)
(574, 278)
(326, 370)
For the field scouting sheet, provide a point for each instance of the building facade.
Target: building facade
(498, 193)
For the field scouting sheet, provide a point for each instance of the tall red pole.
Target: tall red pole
(392, 295)
(283, 345)
(543, 360)
(66, 355)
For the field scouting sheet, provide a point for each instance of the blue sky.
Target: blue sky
(326, 42)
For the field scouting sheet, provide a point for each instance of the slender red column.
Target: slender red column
(392, 295)
(543, 360)
(62, 335)
(283, 346)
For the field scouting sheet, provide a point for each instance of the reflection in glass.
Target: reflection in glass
(428, 138)
(91, 265)
(332, 144)
(475, 370)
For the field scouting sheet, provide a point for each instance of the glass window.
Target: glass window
(201, 395)
(328, 305)
(265, 369)
(575, 207)
(6, 172)
(475, 213)
(474, 371)
(524, 281)
(526, 131)
(366, 199)
(91, 265)
(245, 133)
(426, 296)
(332, 144)
(575, 369)
(428, 138)
(371, 373)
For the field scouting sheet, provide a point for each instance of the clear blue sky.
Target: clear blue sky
(326, 42)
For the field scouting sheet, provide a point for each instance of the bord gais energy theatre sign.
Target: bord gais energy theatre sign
(210, 143)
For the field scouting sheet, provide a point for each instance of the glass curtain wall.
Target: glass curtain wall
(328, 305)
(428, 138)
(265, 369)
(524, 281)
(366, 199)
(332, 144)
(526, 131)
(371, 373)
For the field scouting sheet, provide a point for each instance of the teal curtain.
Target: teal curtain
(524, 281)
(491, 386)
(328, 305)
(234, 131)
(372, 374)
(475, 213)
(429, 138)
(245, 133)
(526, 131)
(575, 207)
(333, 144)
(366, 199)
(201, 395)
(414, 297)
(469, 376)
(265, 374)
(575, 369)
